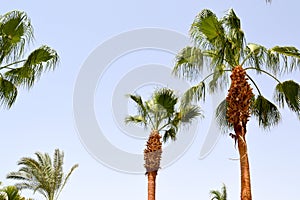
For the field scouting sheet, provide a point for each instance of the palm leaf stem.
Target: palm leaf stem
(255, 85)
(264, 72)
(150, 119)
(14, 63)
(209, 75)
(165, 125)
(247, 57)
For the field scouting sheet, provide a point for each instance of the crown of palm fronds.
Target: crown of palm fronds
(42, 174)
(219, 46)
(162, 112)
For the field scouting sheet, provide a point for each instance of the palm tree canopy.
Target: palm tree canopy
(11, 193)
(219, 46)
(16, 69)
(43, 174)
(161, 112)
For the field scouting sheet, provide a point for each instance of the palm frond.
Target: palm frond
(257, 56)
(140, 104)
(22, 76)
(235, 36)
(189, 63)
(137, 119)
(189, 113)
(166, 99)
(16, 31)
(19, 176)
(195, 93)
(12, 192)
(217, 195)
(65, 180)
(207, 30)
(8, 93)
(221, 117)
(41, 60)
(169, 134)
(265, 112)
(220, 79)
(57, 169)
(288, 92)
(224, 192)
(288, 56)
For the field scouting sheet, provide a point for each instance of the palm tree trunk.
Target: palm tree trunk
(151, 185)
(239, 101)
(152, 156)
(244, 164)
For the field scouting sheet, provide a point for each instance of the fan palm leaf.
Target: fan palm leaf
(17, 70)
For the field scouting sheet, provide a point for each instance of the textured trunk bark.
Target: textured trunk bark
(151, 185)
(244, 164)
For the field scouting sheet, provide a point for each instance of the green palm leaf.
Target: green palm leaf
(41, 60)
(206, 26)
(219, 195)
(137, 119)
(265, 112)
(169, 134)
(288, 92)
(166, 99)
(189, 63)
(221, 117)
(8, 93)
(10, 193)
(235, 39)
(15, 32)
(220, 79)
(140, 104)
(195, 93)
(257, 56)
(290, 57)
(21, 76)
(189, 113)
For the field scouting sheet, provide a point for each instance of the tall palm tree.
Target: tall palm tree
(161, 113)
(219, 195)
(16, 33)
(43, 174)
(220, 48)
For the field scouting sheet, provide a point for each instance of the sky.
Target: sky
(44, 118)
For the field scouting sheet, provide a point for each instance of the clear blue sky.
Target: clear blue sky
(42, 119)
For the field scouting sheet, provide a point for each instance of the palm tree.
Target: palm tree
(11, 193)
(160, 114)
(220, 48)
(16, 33)
(43, 175)
(217, 195)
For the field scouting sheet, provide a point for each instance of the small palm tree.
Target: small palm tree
(11, 193)
(16, 33)
(220, 45)
(160, 114)
(219, 195)
(43, 175)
